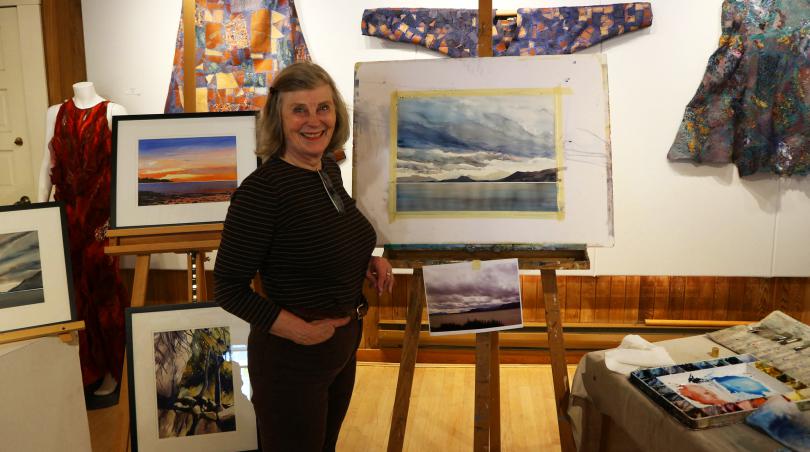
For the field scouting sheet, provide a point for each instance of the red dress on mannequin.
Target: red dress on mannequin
(81, 155)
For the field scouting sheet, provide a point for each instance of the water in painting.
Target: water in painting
(463, 299)
(186, 170)
(195, 382)
(20, 270)
(476, 151)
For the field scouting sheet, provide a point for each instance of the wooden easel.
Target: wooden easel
(195, 240)
(487, 428)
(65, 331)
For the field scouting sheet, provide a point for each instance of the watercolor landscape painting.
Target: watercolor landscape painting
(463, 299)
(20, 270)
(476, 151)
(194, 381)
(186, 170)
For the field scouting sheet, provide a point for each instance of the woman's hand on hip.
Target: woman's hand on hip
(296, 329)
(380, 274)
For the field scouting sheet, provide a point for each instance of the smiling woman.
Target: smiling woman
(294, 223)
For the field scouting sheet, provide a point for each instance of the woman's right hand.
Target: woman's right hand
(298, 330)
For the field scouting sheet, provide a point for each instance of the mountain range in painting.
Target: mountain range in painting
(546, 175)
(20, 269)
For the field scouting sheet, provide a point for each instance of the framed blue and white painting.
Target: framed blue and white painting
(36, 287)
(507, 150)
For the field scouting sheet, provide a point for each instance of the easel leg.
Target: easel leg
(559, 372)
(485, 392)
(402, 399)
(138, 299)
(495, 393)
(140, 280)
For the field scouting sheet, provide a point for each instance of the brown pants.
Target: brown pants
(301, 392)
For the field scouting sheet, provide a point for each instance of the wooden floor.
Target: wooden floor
(441, 411)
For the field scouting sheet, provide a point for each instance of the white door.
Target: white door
(16, 174)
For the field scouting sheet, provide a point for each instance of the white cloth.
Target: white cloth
(635, 352)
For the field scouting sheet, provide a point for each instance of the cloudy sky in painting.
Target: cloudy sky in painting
(454, 288)
(19, 258)
(483, 137)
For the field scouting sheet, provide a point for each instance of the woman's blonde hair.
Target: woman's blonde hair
(296, 77)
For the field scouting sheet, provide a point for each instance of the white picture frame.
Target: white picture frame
(575, 145)
(36, 282)
(143, 326)
(208, 149)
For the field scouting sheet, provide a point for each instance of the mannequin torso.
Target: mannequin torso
(84, 97)
(76, 164)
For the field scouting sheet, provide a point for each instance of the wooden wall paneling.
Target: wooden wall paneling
(789, 295)
(781, 287)
(632, 290)
(737, 299)
(805, 303)
(758, 298)
(587, 299)
(530, 293)
(706, 288)
(661, 305)
(387, 303)
(617, 295)
(562, 295)
(677, 292)
(63, 37)
(720, 302)
(691, 298)
(573, 299)
(371, 322)
(646, 298)
(795, 296)
(401, 305)
(209, 284)
(602, 299)
(540, 303)
(587, 295)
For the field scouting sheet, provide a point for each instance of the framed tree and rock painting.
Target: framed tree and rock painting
(36, 287)
(506, 150)
(179, 169)
(189, 385)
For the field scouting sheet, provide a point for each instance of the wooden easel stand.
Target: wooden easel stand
(66, 332)
(197, 239)
(486, 431)
(193, 240)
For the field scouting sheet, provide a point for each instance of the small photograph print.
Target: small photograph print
(186, 170)
(736, 384)
(20, 270)
(194, 382)
(472, 297)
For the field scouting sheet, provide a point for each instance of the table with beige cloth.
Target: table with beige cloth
(610, 414)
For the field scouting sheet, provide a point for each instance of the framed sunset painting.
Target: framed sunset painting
(179, 168)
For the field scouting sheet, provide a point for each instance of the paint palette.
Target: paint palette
(717, 392)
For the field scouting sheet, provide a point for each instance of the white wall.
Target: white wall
(670, 219)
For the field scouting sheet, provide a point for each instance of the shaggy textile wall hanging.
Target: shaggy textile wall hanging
(753, 105)
(534, 31)
(241, 45)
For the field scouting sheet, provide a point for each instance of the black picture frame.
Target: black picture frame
(22, 255)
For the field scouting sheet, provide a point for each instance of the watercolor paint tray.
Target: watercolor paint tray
(717, 392)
